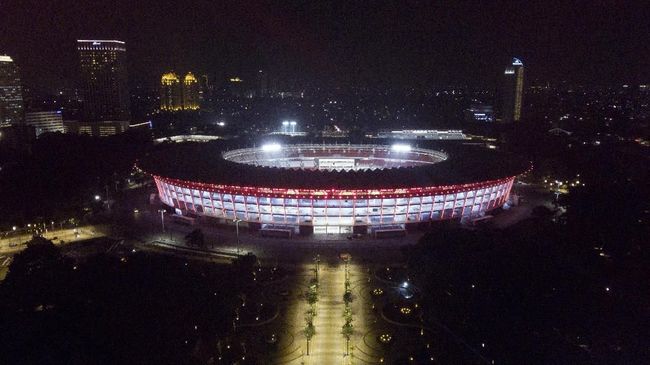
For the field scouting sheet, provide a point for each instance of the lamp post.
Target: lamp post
(162, 218)
(108, 205)
(236, 221)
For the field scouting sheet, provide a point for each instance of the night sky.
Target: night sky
(373, 43)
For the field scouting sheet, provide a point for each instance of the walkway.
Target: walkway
(328, 346)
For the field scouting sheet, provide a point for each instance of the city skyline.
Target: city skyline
(338, 44)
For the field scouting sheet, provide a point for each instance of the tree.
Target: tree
(309, 332)
(311, 313)
(34, 272)
(195, 238)
(347, 297)
(347, 331)
(311, 295)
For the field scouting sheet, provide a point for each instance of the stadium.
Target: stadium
(287, 189)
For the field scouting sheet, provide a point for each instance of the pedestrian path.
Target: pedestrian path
(328, 346)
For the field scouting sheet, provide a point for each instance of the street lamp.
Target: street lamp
(162, 218)
(236, 221)
(97, 197)
(557, 191)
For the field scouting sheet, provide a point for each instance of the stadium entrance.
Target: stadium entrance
(332, 229)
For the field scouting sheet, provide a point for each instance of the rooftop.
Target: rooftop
(204, 162)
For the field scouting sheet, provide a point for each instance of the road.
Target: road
(13, 244)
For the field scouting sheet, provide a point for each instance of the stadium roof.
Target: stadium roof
(203, 162)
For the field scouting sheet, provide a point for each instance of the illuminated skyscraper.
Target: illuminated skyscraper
(513, 91)
(170, 93)
(176, 95)
(104, 80)
(190, 92)
(11, 93)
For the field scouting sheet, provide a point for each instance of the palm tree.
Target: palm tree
(347, 331)
(309, 332)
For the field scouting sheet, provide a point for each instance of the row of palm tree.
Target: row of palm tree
(311, 295)
(348, 329)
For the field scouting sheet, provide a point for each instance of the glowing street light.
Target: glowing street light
(162, 218)
(97, 198)
(236, 221)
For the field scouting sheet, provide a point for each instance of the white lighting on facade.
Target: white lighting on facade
(401, 148)
(271, 147)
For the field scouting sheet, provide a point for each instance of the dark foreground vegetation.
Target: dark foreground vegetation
(567, 289)
(59, 179)
(112, 309)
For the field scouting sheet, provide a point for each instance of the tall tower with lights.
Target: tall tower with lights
(11, 93)
(104, 80)
(170, 93)
(190, 92)
(513, 91)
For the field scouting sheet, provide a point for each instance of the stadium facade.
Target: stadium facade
(322, 189)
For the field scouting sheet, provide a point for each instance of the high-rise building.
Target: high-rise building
(176, 95)
(11, 93)
(97, 129)
(513, 91)
(262, 84)
(170, 93)
(235, 87)
(190, 92)
(44, 122)
(479, 112)
(104, 81)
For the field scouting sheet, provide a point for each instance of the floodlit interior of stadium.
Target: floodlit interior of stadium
(335, 157)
